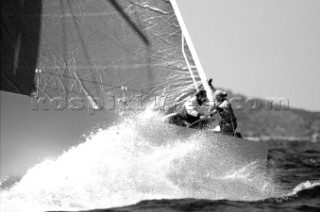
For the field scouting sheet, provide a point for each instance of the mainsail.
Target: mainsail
(97, 50)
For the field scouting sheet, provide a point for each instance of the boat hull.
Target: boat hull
(226, 152)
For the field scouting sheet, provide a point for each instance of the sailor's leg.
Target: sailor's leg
(227, 129)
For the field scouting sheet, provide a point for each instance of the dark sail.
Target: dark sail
(20, 40)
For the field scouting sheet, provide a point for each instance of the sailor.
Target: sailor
(191, 111)
(228, 121)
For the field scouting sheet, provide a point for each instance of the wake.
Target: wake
(138, 158)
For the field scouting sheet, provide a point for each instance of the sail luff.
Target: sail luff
(192, 49)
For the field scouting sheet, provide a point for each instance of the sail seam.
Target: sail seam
(99, 83)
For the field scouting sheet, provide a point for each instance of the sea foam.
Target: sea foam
(135, 159)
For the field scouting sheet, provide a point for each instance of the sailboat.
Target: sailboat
(97, 50)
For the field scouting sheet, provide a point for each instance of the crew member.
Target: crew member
(191, 112)
(228, 121)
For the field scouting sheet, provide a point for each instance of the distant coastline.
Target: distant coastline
(284, 138)
(265, 124)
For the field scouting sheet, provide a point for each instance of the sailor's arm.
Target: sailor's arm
(214, 107)
(210, 85)
(225, 105)
(225, 108)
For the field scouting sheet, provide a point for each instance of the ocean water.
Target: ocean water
(137, 164)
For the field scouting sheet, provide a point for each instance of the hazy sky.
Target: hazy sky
(265, 48)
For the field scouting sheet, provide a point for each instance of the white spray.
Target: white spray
(136, 159)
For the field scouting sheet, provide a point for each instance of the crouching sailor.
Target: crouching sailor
(190, 112)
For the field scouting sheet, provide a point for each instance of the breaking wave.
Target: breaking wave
(304, 188)
(137, 158)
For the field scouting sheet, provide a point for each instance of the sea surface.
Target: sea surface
(124, 167)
